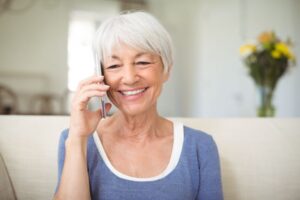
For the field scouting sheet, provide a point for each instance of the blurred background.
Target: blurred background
(45, 50)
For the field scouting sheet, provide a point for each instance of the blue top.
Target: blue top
(195, 176)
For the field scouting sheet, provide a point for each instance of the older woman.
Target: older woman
(135, 153)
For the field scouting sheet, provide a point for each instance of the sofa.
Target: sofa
(260, 158)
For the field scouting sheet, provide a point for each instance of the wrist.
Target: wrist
(76, 143)
(78, 134)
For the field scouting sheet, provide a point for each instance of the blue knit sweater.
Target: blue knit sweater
(196, 175)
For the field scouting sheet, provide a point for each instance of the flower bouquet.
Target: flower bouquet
(267, 60)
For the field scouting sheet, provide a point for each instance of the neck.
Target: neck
(139, 127)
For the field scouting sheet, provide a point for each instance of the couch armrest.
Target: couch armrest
(6, 188)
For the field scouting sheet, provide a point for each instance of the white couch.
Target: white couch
(260, 158)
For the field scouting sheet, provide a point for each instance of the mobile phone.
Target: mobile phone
(99, 72)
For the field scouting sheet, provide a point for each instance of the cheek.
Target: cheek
(157, 79)
(112, 83)
(109, 80)
(157, 85)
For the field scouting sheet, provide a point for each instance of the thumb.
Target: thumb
(98, 112)
(108, 107)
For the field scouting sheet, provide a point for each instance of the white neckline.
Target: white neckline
(175, 155)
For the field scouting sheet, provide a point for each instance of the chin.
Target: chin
(135, 109)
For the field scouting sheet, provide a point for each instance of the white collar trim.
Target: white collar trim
(176, 152)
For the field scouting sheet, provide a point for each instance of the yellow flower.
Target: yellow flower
(247, 49)
(284, 49)
(276, 54)
(266, 37)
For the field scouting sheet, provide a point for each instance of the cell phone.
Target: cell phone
(99, 72)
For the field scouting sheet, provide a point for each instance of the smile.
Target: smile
(133, 92)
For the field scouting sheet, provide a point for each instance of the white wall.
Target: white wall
(221, 74)
(208, 78)
(35, 42)
(33, 51)
(33, 47)
(181, 20)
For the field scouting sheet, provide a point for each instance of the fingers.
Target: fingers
(94, 86)
(107, 109)
(90, 80)
(87, 89)
(86, 96)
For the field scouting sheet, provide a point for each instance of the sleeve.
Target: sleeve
(210, 173)
(61, 155)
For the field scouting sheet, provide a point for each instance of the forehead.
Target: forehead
(123, 50)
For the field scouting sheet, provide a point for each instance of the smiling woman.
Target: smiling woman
(135, 79)
(135, 153)
(142, 32)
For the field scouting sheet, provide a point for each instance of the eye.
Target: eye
(143, 63)
(113, 66)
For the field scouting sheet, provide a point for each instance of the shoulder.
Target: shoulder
(199, 142)
(62, 139)
(202, 152)
(64, 134)
(202, 145)
(197, 137)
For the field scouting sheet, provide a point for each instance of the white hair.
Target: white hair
(139, 30)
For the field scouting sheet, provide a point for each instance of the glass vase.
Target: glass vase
(266, 108)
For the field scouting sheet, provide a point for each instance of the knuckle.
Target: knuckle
(79, 86)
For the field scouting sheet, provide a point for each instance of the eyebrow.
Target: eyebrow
(136, 56)
(141, 54)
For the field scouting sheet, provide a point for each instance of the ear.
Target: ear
(166, 74)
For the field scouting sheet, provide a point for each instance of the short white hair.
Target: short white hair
(139, 30)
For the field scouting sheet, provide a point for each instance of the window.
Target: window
(82, 29)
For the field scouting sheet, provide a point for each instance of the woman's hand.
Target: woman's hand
(74, 182)
(83, 122)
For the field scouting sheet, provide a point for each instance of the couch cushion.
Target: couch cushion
(29, 146)
(260, 158)
(6, 189)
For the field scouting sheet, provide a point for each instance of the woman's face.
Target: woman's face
(135, 78)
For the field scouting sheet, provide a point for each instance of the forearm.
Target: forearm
(74, 182)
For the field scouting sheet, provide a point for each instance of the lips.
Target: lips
(132, 92)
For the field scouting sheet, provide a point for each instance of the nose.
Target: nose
(130, 74)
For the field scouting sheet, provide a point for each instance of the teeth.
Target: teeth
(134, 92)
